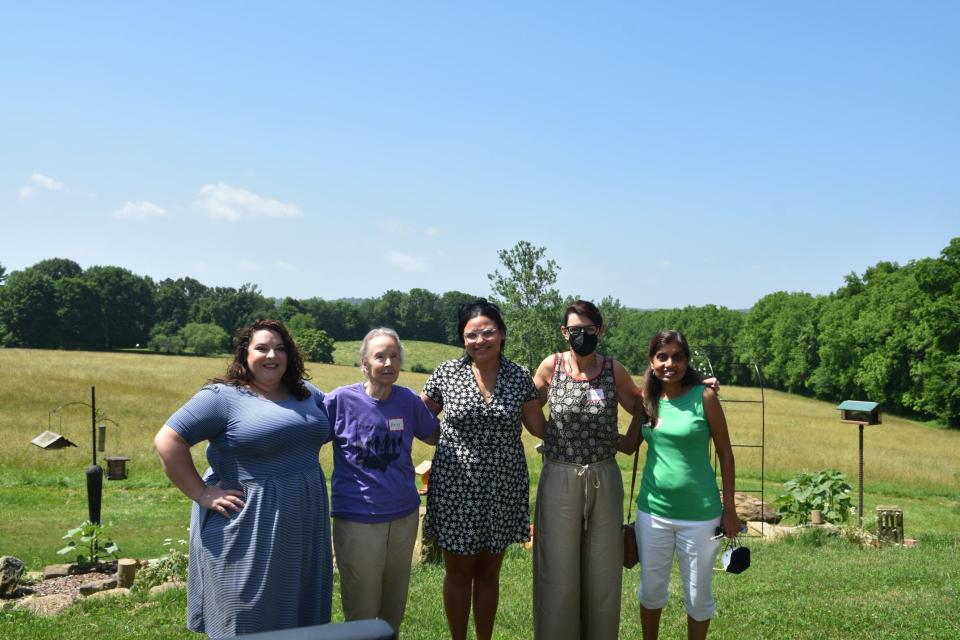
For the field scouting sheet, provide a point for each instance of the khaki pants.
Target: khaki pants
(374, 563)
(578, 551)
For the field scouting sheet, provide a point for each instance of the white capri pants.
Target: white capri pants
(657, 539)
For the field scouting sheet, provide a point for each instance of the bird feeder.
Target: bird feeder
(117, 467)
(51, 440)
(861, 413)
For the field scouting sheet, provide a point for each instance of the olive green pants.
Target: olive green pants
(578, 551)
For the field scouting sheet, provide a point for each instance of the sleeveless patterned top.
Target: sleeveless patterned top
(582, 428)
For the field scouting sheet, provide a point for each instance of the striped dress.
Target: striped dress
(269, 566)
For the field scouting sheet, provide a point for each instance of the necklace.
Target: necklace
(485, 381)
(588, 373)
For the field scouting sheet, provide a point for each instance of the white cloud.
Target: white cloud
(431, 232)
(406, 262)
(223, 202)
(38, 182)
(46, 182)
(286, 266)
(141, 209)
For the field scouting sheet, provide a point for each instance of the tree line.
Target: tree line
(56, 304)
(891, 335)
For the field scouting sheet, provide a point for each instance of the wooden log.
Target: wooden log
(126, 571)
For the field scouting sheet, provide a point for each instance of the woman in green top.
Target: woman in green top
(679, 508)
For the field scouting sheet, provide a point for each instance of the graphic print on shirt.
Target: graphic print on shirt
(381, 450)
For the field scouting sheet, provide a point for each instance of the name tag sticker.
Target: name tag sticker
(594, 395)
(396, 424)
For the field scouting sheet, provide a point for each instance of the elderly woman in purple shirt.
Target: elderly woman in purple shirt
(375, 504)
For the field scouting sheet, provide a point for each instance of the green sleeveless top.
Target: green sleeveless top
(678, 481)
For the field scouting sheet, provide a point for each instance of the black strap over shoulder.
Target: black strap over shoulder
(633, 480)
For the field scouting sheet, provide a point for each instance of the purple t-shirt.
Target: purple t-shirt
(373, 477)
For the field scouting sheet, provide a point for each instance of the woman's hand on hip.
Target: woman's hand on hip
(221, 500)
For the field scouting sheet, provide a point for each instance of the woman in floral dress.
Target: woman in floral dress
(478, 496)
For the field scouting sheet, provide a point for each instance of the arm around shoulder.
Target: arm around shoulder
(531, 414)
(542, 377)
(428, 418)
(431, 404)
(627, 390)
(630, 441)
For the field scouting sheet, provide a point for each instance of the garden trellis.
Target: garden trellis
(724, 364)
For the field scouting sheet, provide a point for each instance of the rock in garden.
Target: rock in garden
(32, 577)
(10, 571)
(46, 605)
(166, 586)
(752, 509)
(111, 593)
(57, 571)
(95, 586)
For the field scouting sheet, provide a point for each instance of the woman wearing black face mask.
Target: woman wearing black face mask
(578, 545)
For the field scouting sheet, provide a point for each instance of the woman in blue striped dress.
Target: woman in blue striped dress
(260, 554)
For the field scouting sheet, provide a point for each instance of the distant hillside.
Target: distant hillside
(420, 355)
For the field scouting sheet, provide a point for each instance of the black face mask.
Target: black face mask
(583, 344)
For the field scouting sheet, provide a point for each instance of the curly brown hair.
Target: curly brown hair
(238, 373)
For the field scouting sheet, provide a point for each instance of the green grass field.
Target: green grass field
(417, 352)
(805, 589)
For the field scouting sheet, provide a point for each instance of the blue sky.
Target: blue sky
(666, 155)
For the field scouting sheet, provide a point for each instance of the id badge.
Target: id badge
(595, 396)
(395, 424)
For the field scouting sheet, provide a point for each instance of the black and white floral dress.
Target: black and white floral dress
(479, 492)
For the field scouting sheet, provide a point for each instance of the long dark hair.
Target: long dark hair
(238, 373)
(475, 309)
(652, 387)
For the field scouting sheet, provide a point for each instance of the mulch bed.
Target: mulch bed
(70, 585)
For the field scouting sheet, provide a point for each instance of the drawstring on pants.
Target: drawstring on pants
(592, 478)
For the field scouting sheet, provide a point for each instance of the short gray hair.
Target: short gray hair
(376, 333)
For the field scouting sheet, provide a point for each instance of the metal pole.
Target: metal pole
(93, 423)
(860, 507)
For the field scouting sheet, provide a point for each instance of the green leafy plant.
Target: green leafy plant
(91, 543)
(170, 567)
(828, 491)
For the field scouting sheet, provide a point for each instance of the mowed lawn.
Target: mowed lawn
(793, 591)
